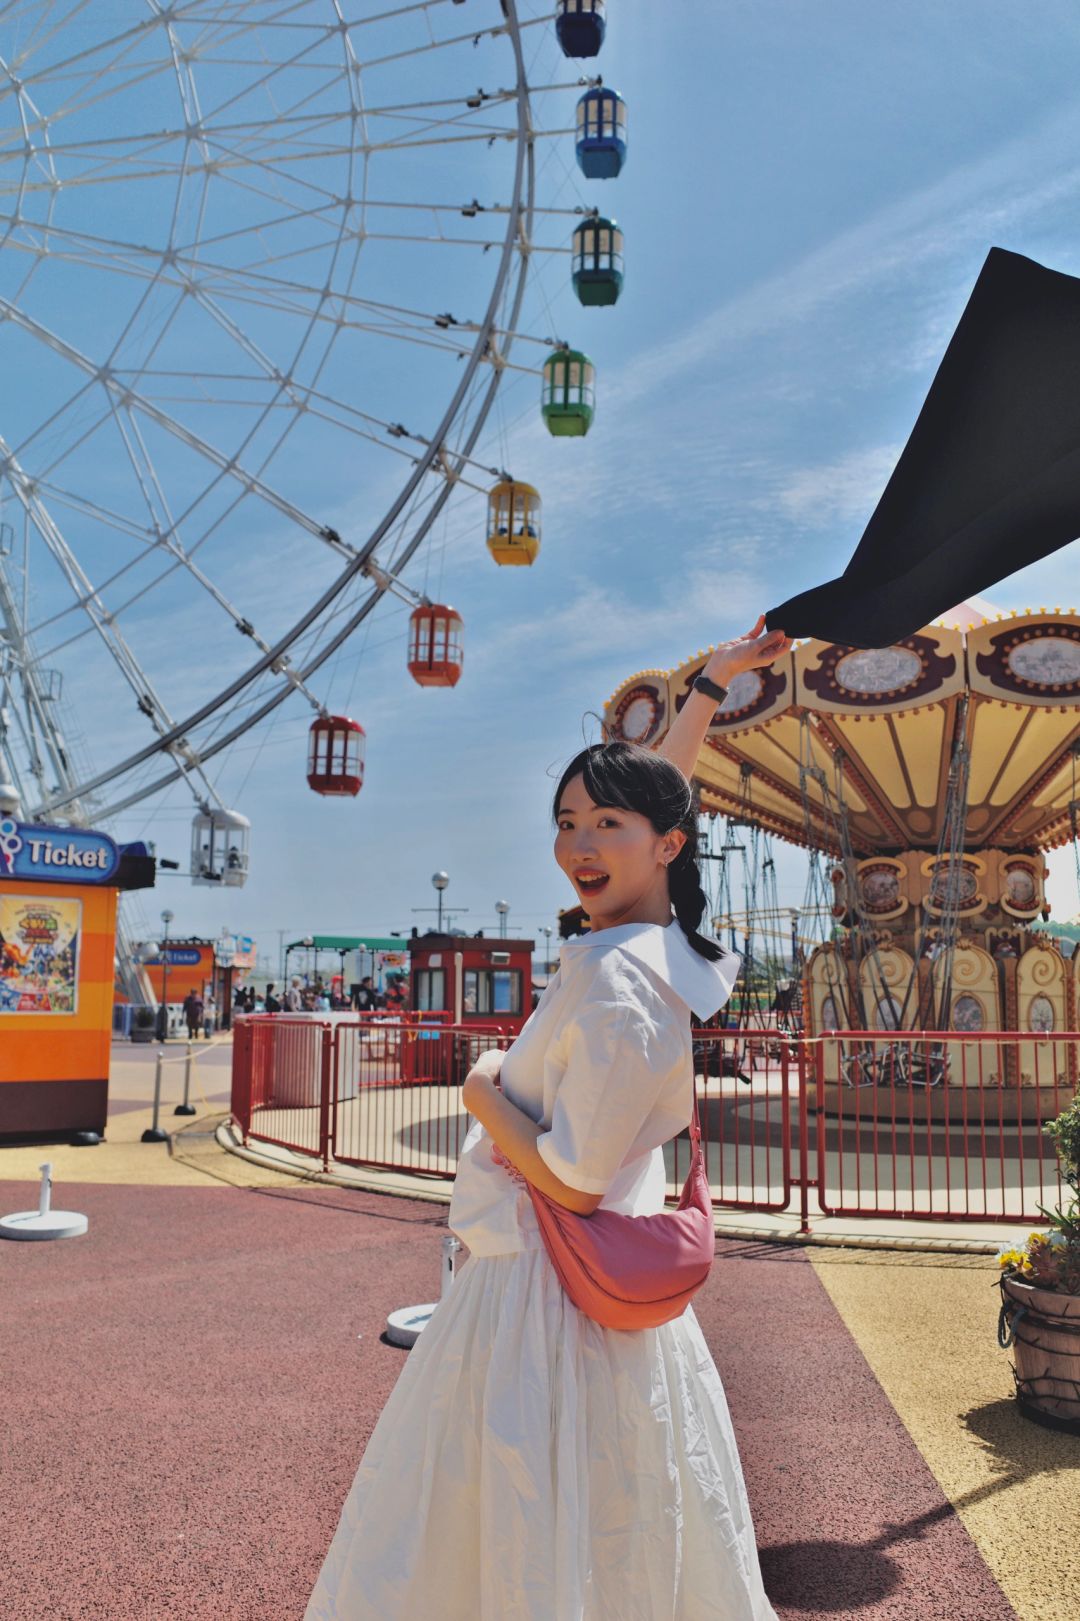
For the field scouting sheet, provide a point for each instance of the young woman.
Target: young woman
(531, 1465)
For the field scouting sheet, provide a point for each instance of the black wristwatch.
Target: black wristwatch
(709, 688)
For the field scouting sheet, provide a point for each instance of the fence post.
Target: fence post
(804, 1144)
(152, 1134)
(328, 1076)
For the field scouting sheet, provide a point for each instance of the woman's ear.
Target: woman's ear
(673, 843)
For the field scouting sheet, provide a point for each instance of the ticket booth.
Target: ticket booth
(58, 897)
(476, 981)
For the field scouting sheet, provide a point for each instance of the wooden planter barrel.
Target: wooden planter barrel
(1042, 1326)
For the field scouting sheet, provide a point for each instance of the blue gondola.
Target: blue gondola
(598, 261)
(580, 26)
(601, 133)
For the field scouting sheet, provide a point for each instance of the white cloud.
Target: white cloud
(848, 487)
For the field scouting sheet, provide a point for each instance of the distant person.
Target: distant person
(193, 1012)
(271, 1002)
(294, 998)
(249, 999)
(239, 998)
(366, 1000)
(209, 1016)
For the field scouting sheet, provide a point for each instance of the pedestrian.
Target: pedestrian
(209, 1015)
(249, 999)
(294, 999)
(272, 1004)
(531, 1462)
(193, 1011)
(364, 997)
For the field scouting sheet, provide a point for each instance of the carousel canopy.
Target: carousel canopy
(889, 717)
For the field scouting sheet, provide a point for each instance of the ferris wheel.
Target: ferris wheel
(263, 270)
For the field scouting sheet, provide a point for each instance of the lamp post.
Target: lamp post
(440, 880)
(502, 907)
(163, 1010)
(546, 932)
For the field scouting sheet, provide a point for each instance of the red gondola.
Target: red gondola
(336, 755)
(435, 654)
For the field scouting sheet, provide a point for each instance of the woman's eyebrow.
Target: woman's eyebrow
(566, 811)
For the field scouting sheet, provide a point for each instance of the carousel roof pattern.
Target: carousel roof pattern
(889, 717)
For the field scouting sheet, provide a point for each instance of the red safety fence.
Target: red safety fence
(853, 1123)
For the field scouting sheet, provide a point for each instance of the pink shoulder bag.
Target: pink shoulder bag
(633, 1272)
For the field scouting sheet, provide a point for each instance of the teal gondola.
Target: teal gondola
(598, 261)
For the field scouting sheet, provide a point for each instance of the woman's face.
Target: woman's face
(615, 859)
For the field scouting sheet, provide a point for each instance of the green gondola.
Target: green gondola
(598, 261)
(569, 398)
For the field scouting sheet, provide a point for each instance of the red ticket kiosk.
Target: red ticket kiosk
(475, 980)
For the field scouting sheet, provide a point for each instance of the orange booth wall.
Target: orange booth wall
(183, 977)
(54, 1067)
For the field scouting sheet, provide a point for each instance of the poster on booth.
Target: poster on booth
(39, 950)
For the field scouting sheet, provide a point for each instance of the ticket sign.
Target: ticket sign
(59, 855)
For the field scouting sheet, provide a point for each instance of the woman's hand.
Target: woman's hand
(747, 652)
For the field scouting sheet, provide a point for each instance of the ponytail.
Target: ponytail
(688, 899)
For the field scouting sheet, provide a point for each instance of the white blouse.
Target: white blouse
(605, 1064)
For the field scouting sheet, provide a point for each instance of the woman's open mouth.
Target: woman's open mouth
(590, 881)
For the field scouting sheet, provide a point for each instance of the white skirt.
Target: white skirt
(530, 1465)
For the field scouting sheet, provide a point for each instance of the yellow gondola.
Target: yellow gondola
(513, 522)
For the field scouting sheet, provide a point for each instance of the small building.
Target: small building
(475, 979)
(197, 964)
(58, 897)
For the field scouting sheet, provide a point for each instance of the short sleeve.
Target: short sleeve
(623, 1051)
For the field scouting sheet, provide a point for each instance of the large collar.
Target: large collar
(703, 985)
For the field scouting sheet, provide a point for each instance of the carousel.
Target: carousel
(926, 781)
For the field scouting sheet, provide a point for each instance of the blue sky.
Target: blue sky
(810, 192)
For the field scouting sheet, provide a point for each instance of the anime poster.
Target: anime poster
(39, 949)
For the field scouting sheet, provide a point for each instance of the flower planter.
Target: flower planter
(1042, 1326)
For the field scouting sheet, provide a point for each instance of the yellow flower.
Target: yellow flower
(1011, 1258)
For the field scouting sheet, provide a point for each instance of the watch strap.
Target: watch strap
(710, 688)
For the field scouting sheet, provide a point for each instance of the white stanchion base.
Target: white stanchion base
(53, 1224)
(404, 1327)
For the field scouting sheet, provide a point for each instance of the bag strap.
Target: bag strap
(695, 1121)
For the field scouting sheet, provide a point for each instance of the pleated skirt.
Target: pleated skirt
(530, 1465)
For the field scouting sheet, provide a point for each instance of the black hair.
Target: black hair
(632, 778)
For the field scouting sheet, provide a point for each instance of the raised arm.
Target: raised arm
(682, 745)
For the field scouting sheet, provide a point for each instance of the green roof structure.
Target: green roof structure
(349, 942)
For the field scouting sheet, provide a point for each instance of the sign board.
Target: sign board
(39, 954)
(59, 855)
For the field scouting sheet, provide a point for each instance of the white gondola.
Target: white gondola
(220, 842)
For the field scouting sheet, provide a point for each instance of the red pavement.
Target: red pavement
(188, 1399)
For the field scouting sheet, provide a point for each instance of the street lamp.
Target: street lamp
(502, 907)
(546, 932)
(440, 880)
(163, 1010)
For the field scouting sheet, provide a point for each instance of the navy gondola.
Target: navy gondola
(598, 261)
(580, 26)
(601, 133)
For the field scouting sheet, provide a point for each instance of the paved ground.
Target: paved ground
(191, 1384)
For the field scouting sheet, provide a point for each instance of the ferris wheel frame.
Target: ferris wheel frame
(494, 337)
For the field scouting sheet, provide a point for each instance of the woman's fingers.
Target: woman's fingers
(758, 628)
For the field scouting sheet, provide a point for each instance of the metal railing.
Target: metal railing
(944, 1127)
